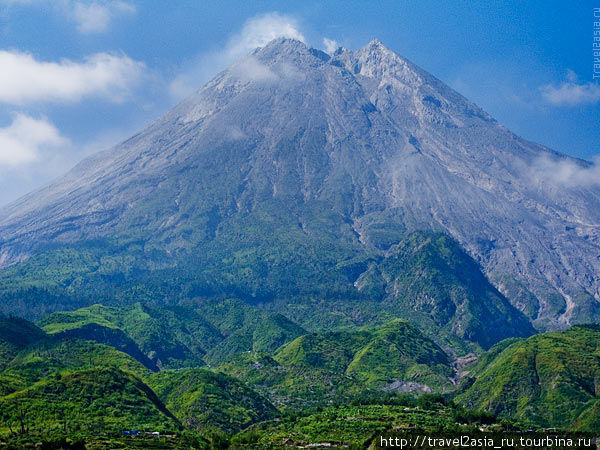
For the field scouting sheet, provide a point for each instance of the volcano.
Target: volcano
(336, 189)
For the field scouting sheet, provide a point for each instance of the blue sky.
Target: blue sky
(78, 76)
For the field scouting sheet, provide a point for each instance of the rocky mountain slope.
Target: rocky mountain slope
(292, 162)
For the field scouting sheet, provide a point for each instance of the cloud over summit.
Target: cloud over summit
(256, 32)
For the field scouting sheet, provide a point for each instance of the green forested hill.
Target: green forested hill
(56, 355)
(64, 383)
(207, 332)
(162, 335)
(202, 399)
(395, 353)
(86, 400)
(34, 355)
(267, 261)
(295, 387)
(245, 328)
(430, 273)
(550, 380)
(16, 334)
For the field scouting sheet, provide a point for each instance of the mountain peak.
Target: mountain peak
(291, 50)
(375, 60)
(375, 47)
(366, 134)
(376, 44)
(285, 43)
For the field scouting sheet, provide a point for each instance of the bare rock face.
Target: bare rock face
(364, 134)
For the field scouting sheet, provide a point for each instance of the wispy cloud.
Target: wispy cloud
(566, 172)
(571, 92)
(259, 31)
(89, 16)
(22, 141)
(256, 32)
(330, 45)
(23, 79)
(250, 68)
(95, 17)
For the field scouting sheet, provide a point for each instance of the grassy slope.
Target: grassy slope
(546, 380)
(245, 328)
(432, 274)
(86, 400)
(16, 334)
(204, 332)
(294, 387)
(354, 424)
(549, 379)
(55, 355)
(159, 334)
(62, 371)
(203, 399)
(374, 355)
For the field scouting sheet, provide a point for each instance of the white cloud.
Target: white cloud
(259, 31)
(25, 138)
(95, 17)
(250, 68)
(330, 45)
(23, 79)
(571, 92)
(567, 172)
(256, 32)
(90, 16)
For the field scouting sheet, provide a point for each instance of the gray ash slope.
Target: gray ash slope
(365, 135)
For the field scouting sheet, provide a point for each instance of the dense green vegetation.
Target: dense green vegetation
(295, 387)
(85, 400)
(351, 425)
(56, 355)
(202, 399)
(361, 424)
(375, 356)
(432, 274)
(303, 263)
(546, 380)
(156, 334)
(205, 332)
(91, 373)
(16, 334)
